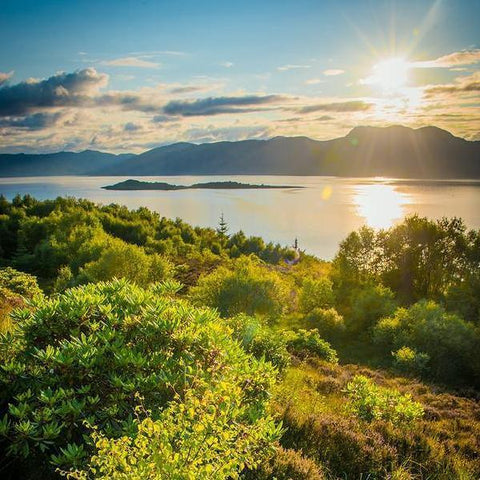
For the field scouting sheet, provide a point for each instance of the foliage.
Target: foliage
(15, 287)
(308, 343)
(247, 287)
(370, 402)
(450, 342)
(260, 340)
(194, 437)
(122, 260)
(315, 294)
(79, 361)
(367, 306)
(328, 322)
(418, 258)
(407, 360)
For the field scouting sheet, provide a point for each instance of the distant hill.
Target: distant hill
(395, 151)
(61, 163)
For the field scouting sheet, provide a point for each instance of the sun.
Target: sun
(391, 75)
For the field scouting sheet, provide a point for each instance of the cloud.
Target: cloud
(469, 84)
(182, 89)
(36, 121)
(284, 68)
(455, 59)
(333, 71)
(314, 81)
(4, 77)
(227, 64)
(62, 89)
(135, 62)
(349, 106)
(219, 105)
(131, 127)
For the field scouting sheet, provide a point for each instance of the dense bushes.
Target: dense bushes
(86, 359)
(43, 237)
(450, 343)
(247, 287)
(15, 287)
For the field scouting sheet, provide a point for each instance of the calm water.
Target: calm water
(321, 214)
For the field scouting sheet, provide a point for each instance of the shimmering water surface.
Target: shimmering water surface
(320, 214)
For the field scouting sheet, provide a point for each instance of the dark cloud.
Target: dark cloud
(132, 127)
(187, 89)
(350, 106)
(62, 89)
(219, 105)
(36, 121)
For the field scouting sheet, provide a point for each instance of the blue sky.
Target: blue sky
(129, 75)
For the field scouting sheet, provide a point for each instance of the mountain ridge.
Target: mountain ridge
(393, 151)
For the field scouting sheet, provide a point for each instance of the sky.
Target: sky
(126, 76)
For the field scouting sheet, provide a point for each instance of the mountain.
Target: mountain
(61, 163)
(394, 151)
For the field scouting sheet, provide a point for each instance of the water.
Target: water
(320, 215)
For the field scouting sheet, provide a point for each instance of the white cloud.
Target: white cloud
(131, 62)
(314, 81)
(284, 68)
(455, 59)
(333, 71)
(227, 64)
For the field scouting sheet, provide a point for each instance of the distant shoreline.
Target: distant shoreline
(163, 186)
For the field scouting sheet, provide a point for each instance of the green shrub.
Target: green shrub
(308, 343)
(368, 306)
(328, 322)
(122, 260)
(315, 294)
(83, 360)
(407, 360)
(370, 402)
(193, 438)
(18, 283)
(260, 340)
(450, 342)
(15, 287)
(248, 287)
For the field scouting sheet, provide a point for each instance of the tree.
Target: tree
(222, 226)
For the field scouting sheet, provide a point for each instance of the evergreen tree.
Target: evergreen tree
(222, 226)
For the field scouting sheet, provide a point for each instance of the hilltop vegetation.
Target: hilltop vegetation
(136, 347)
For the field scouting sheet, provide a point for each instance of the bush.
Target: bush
(248, 287)
(260, 340)
(328, 322)
(15, 287)
(407, 360)
(450, 342)
(196, 437)
(370, 402)
(122, 260)
(315, 294)
(369, 305)
(308, 343)
(85, 359)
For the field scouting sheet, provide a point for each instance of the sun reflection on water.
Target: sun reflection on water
(380, 204)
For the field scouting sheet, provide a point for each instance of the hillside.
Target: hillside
(61, 163)
(395, 151)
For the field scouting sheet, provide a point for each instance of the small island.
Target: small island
(140, 185)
